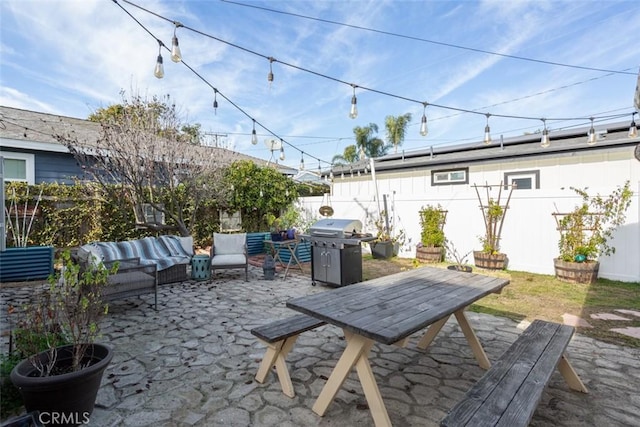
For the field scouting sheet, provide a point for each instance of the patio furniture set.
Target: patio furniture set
(148, 262)
(388, 310)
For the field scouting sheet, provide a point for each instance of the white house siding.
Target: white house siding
(529, 235)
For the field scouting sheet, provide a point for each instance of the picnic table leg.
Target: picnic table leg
(371, 392)
(570, 375)
(472, 339)
(275, 355)
(432, 332)
(356, 347)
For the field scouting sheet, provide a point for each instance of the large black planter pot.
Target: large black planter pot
(67, 397)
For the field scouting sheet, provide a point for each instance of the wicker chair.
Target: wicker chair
(230, 251)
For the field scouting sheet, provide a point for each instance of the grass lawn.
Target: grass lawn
(538, 296)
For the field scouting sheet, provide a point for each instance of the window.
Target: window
(450, 176)
(152, 215)
(525, 180)
(18, 167)
(230, 221)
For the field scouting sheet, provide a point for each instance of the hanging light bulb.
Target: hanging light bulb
(270, 75)
(423, 124)
(362, 154)
(487, 132)
(254, 135)
(633, 130)
(545, 141)
(319, 170)
(353, 113)
(302, 161)
(261, 193)
(591, 136)
(215, 101)
(159, 70)
(282, 153)
(176, 55)
(331, 174)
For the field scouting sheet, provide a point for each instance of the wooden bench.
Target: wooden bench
(279, 337)
(509, 392)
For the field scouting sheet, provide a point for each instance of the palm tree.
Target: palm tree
(350, 155)
(367, 143)
(396, 129)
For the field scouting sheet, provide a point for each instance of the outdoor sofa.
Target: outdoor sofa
(169, 254)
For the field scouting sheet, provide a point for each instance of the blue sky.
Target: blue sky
(71, 57)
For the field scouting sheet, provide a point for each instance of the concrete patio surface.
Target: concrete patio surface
(193, 362)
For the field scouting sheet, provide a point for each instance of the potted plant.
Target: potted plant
(63, 379)
(460, 260)
(493, 214)
(387, 243)
(21, 216)
(432, 239)
(586, 231)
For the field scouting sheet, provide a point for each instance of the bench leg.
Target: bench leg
(570, 375)
(431, 333)
(275, 355)
(472, 339)
(356, 353)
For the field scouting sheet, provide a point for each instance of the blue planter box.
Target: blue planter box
(303, 253)
(30, 263)
(255, 242)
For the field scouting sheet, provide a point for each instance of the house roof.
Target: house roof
(563, 143)
(31, 130)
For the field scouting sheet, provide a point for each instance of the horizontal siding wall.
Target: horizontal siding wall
(529, 236)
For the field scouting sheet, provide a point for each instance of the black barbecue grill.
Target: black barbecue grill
(336, 254)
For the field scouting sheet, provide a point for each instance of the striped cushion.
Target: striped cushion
(174, 246)
(149, 249)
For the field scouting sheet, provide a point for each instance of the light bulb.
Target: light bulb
(301, 163)
(282, 153)
(159, 70)
(487, 135)
(544, 141)
(423, 126)
(354, 108)
(633, 130)
(254, 137)
(591, 136)
(176, 55)
(215, 102)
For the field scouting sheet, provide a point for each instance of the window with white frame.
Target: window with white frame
(523, 180)
(450, 176)
(18, 167)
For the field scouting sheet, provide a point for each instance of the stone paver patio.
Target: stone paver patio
(192, 363)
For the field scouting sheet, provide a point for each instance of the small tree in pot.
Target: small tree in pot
(66, 376)
(586, 231)
(432, 239)
(493, 214)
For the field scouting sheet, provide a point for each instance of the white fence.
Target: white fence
(529, 236)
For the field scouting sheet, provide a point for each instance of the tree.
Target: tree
(144, 157)
(367, 143)
(350, 155)
(396, 129)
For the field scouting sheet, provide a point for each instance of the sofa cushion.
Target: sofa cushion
(227, 260)
(228, 244)
(90, 254)
(178, 246)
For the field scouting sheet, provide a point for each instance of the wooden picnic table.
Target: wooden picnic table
(388, 310)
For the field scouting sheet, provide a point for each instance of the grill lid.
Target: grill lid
(337, 228)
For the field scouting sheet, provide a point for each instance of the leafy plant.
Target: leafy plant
(432, 220)
(493, 213)
(460, 259)
(586, 231)
(67, 313)
(384, 233)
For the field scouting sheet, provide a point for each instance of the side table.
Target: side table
(200, 267)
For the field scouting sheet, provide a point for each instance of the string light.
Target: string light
(423, 124)
(254, 135)
(487, 132)
(353, 113)
(544, 141)
(591, 136)
(159, 70)
(633, 130)
(302, 161)
(215, 101)
(282, 152)
(176, 55)
(270, 75)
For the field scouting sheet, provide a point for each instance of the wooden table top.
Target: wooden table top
(393, 307)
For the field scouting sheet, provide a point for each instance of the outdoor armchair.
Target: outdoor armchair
(230, 251)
